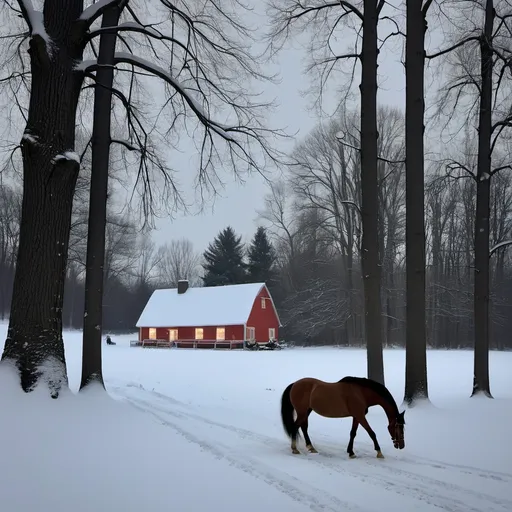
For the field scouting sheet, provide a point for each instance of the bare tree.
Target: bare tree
(100, 155)
(481, 59)
(327, 19)
(326, 177)
(481, 382)
(49, 177)
(207, 52)
(278, 214)
(177, 260)
(416, 386)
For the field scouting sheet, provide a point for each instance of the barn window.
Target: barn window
(152, 333)
(271, 333)
(251, 333)
(199, 333)
(263, 303)
(221, 333)
(173, 334)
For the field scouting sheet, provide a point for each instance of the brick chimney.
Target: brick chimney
(182, 286)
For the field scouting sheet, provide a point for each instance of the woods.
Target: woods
(375, 235)
(59, 36)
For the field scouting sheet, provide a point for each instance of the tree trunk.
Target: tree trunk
(50, 169)
(369, 194)
(481, 383)
(416, 333)
(93, 315)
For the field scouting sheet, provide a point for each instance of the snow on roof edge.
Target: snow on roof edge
(198, 306)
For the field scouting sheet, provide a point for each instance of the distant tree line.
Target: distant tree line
(313, 219)
(134, 266)
(308, 253)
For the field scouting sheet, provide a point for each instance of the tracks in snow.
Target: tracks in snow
(317, 499)
(405, 478)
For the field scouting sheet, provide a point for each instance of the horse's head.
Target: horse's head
(396, 430)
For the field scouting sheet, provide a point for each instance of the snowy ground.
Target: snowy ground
(201, 430)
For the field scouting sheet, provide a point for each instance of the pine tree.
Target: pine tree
(261, 258)
(224, 260)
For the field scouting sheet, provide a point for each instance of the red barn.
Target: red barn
(210, 316)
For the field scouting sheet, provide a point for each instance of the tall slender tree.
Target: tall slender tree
(416, 332)
(481, 384)
(371, 259)
(101, 141)
(326, 21)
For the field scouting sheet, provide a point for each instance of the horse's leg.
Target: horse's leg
(296, 427)
(304, 428)
(353, 432)
(364, 423)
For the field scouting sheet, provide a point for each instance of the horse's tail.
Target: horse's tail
(287, 410)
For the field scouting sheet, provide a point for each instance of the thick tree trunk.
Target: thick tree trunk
(481, 383)
(369, 194)
(93, 315)
(50, 169)
(416, 333)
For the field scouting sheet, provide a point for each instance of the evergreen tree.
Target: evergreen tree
(261, 259)
(224, 260)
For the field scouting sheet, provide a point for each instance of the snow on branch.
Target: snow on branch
(227, 132)
(500, 245)
(185, 71)
(95, 10)
(134, 60)
(67, 155)
(35, 22)
(28, 136)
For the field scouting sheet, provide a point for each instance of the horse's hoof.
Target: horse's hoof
(295, 451)
(312, 450)
(353, 456)
(379, 455)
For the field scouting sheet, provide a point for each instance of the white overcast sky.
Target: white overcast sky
(238, 203)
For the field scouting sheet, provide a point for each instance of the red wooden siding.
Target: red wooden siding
(260, 318)
(233, 332)
(263, 319)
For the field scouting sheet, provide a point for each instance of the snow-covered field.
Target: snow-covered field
(200, 430)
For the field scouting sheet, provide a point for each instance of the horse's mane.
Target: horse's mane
(379, 388)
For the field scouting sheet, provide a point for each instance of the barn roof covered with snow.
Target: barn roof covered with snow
(202, 306)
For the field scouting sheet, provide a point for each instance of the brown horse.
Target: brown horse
(351, 396)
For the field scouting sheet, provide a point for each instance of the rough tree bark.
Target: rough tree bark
(369, 194)
(416, 333)
(93, 310)
(481, 383)
(50, 169)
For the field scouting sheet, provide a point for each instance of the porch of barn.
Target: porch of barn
(230, 336)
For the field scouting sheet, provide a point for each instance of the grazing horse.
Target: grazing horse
(351, 396)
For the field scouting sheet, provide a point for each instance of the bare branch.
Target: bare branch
(454, 47)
